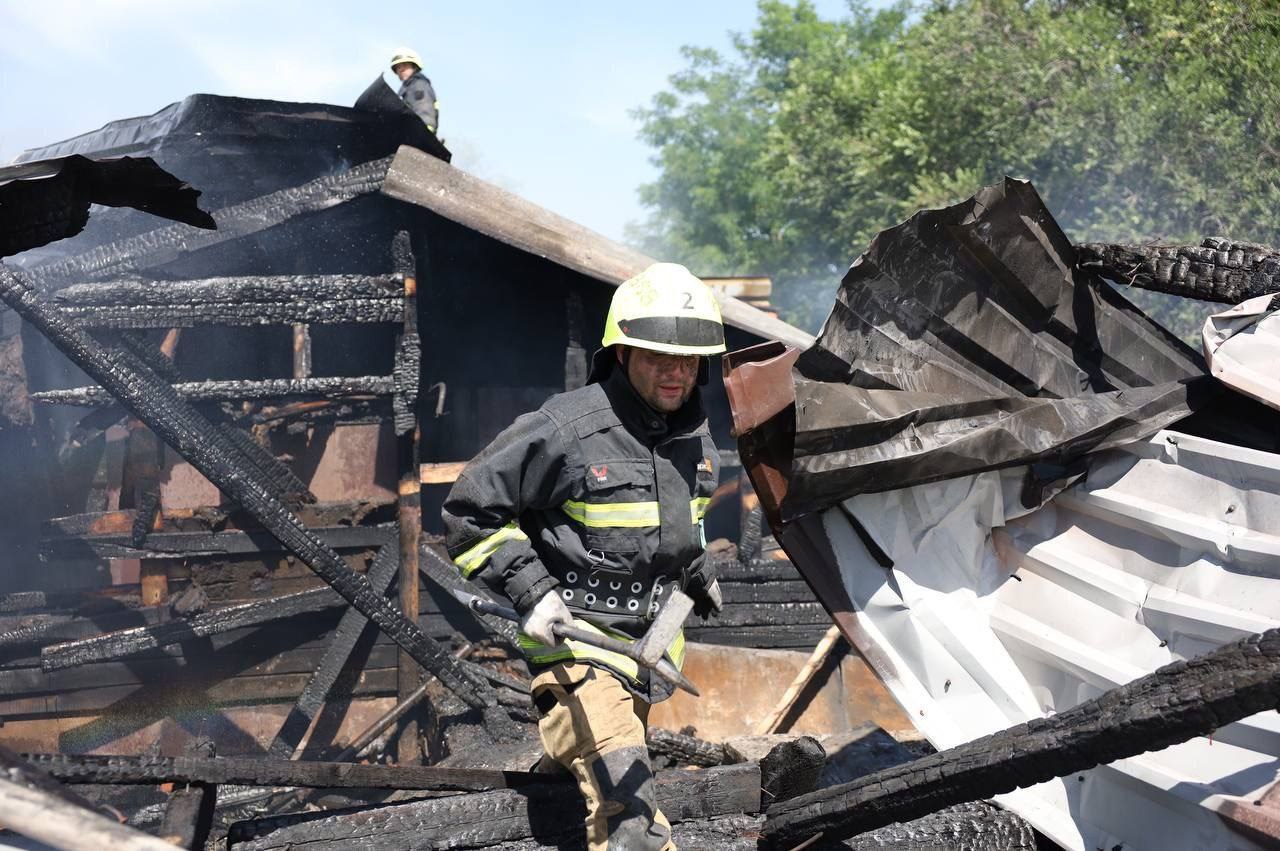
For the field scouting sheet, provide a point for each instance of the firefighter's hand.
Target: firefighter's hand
(709, 602)
(549, 609)
(700, 584)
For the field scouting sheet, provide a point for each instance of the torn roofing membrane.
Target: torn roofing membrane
(976, 468)
(47, 200)
(965, 340)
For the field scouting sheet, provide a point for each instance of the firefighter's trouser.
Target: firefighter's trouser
(590, 724)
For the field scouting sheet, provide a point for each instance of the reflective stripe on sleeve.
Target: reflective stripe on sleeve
(698, 507)
(474, 558)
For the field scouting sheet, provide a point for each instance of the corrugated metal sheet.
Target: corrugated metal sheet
(993, 614)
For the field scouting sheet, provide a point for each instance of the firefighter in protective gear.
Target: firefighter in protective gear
(415, 89)
(590, 509)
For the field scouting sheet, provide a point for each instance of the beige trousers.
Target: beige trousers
(595, 728)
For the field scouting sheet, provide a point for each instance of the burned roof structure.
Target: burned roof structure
(233, 443)
(1029, 505)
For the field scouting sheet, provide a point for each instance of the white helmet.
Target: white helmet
(405, 54)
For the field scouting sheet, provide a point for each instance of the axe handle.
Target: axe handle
(661, 667)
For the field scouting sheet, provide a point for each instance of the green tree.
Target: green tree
(1135, 119)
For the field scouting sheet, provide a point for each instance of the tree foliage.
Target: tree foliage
(1135, 119)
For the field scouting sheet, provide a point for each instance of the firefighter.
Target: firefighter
(415, 88)
(590, 510)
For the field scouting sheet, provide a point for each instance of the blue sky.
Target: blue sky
(534, 96)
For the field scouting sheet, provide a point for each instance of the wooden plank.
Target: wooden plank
(441, 473)
(188, 544)
(126, 642)
(553, 813)
(164, 703)
(341, 644)
(188, 816)
(421, 179)
(250, 771)
(44, 817)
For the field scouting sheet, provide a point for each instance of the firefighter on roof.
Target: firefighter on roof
(590, 509)
(415, 88)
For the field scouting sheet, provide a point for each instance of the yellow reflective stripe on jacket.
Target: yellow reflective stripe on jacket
(698, 507)
(627, 515)
(576, 651)
(474, 558)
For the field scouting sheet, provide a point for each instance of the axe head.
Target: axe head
(665, 627)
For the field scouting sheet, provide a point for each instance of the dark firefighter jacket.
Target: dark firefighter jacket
(421, 98)
(598, 497)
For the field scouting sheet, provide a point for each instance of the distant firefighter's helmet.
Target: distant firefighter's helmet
(405, 54)
(665, 309)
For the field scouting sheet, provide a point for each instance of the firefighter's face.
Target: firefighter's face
(664, 381)
(404, 70)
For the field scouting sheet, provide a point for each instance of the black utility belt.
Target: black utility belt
(613, 594)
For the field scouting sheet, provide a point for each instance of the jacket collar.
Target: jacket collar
(643, 421)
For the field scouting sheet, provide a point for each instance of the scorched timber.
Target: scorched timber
(552, 813)
(188, 544)
(352, 310)
(1175, 703)
(173, 420)
(127, 642)
(248, 771)
(200, 292)
(1217, 269)
(341, 644)
(166, 244)
(223, 391)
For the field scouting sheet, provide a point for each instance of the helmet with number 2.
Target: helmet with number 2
(665, 309)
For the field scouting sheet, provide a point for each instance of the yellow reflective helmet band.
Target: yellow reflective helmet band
(474, 558)
(667, 309)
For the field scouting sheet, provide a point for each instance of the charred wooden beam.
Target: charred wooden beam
(127, 642)
(166, 244)
(404, 405)
(237, 390)
(309, 312)
(189, 544)
(342, 643)
(553, 813)
(1217, 269)
(282, 481)
(243, 291)
(684, 749)
(1171, 705)
(977, 825)
(250, 771)
(182, 427)
(445, 574)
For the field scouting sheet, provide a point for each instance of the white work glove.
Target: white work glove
(550, 609)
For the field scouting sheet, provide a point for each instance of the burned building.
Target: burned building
(362, 320)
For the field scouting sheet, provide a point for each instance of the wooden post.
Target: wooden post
(409, 511)
(409, 518)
